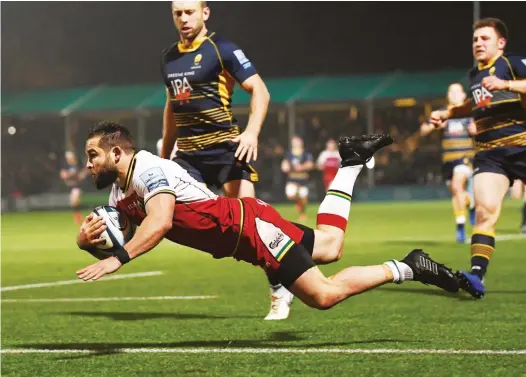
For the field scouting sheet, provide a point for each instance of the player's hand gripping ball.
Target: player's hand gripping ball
(119, 230)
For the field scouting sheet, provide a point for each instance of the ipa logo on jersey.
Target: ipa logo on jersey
(182, 89)
(482, 96)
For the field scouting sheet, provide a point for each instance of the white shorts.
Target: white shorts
(74, 195)
(463, 169)
(294, 190)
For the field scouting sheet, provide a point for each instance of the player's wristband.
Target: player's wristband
(122, 255)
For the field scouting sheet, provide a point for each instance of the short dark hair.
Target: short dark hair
(112, 135)
(495, 23)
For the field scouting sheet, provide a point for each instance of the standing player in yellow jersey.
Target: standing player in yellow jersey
(200, 72)
(498, 88)
(518, 192)
(457, 153)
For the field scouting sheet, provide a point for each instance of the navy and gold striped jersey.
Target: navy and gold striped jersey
(499, 115)
(295, 158)
(457, 143)
(200, 80)
(73, 172)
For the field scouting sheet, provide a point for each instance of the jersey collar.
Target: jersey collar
(489, 64)
(129, 174)
(195, 43)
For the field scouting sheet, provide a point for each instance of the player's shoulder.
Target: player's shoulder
(144, 160)
(515, 59)
(473, 71)
(170, 51)
(146, 163)
(223, 44)
(218, 39)
(514, 56)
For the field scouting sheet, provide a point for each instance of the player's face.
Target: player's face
(100, 164)
(189, 18)
(296, 143)
(487, 44)
(456, 94)
(331, 145)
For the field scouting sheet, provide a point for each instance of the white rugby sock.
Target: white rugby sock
(335, 208)
(401, 271)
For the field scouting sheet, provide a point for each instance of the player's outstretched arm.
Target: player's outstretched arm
(472, 128)
(260, 98)
(285, 166)
(158, 221)
(320, 161)
(169, 129)
(460, 111)
(426, 128)
(494, 83)
(517, 86)
(307, 165)
(63, 174)
(437, 117)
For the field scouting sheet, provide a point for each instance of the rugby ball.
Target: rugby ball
(119, 230)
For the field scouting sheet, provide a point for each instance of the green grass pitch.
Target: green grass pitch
(40, 248)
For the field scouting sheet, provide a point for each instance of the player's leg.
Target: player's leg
(280, 297)
(239, 188)
(298, 194)
(74, 200)
(523, 223)
(471, 199)
(518, 192)
(490, 189)
(333, 215)
(308, 283)
(303, 200)
(334, 210)
(517, 168)
(239, 184)
(459, 198)
(292, 192)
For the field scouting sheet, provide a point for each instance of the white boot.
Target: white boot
(280, 300)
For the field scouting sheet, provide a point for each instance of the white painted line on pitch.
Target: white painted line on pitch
(270, 351)
(352, 238)
(505, 237)
(79, 281)
(92, 299)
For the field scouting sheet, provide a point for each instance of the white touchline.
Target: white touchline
(78, 281)
(91, 299)
(269, 351)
